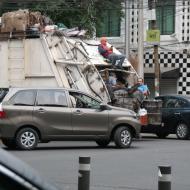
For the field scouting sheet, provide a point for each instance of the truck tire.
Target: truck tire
(9, 143)
(102, 143)
(123, 137)
(162, 135)
(27, 139)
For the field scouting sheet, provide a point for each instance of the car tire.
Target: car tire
(9, 143)
(182, 131)
(27, 139)
(123, 137)
(162, 135)
(102, 143)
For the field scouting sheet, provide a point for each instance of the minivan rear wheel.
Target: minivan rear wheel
(27, 139)
(123, 137)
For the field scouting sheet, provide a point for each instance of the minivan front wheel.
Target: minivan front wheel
(182, 131)
(123, 137)
(27, 139)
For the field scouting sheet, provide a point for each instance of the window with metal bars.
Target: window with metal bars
(165, 16)
(111, 24)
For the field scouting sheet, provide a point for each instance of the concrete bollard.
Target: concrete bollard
(164, 178)
(84, 173)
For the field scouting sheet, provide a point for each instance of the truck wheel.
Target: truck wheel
(27, 139)
(162, 135)
(9, 143)
(102, 143)
(123, 137)
(182, 131)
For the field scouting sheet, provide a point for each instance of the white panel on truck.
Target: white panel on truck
(36, 61)
(4, 82)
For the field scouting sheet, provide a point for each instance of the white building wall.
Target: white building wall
(174, 49)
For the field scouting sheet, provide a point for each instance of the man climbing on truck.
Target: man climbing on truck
(107, 52)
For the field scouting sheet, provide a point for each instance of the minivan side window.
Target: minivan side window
(23, 98)
(56, 98)
(79, 100)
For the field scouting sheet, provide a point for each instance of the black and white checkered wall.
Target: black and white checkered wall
(173, 60)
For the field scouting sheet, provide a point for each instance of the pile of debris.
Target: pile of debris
(20, 20)
(31, 24)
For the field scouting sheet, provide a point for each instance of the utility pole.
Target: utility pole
(140, 69)
(155, 53)
(127, 28)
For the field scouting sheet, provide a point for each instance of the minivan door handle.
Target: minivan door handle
(41, 110)
(78, 112)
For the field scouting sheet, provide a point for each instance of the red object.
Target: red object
(144, 119)
(2, 113)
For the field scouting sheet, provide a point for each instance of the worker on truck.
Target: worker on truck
(140, 90)
(107, 52)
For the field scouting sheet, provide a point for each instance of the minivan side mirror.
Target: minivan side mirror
(103, 107)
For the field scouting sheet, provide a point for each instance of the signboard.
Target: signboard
(153, 37)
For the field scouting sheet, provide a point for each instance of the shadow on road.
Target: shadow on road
(72, 147)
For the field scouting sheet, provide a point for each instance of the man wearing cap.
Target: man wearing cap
(107, 53)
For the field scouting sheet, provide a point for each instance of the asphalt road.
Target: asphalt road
(135, 168)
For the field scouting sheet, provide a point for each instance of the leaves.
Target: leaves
(86, 14)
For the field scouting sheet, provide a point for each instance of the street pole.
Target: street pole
(157, 71)
(164, 178)
(127, 28)
(140, 69)
(156, 60)
(84, 173)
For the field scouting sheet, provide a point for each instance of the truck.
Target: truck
(51, 59)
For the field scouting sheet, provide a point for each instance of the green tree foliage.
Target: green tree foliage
(86, 14)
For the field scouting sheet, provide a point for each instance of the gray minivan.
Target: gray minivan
(32, 115)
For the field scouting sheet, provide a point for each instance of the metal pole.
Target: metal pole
(164, 178)
(157, 71)
(84, 173)
(140, 40)
(156, 60)
(156, 66)
(127, 28)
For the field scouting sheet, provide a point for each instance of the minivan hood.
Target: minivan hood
(128, 111)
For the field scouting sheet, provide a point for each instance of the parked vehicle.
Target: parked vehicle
(29, 116)
(175, 113)
(15, 174)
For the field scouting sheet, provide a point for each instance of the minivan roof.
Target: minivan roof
(13, 90)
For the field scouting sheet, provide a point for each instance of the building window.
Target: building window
(165, 15)
(111, 24)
